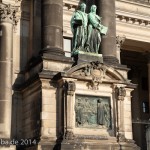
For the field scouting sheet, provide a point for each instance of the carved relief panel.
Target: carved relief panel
(92, 112)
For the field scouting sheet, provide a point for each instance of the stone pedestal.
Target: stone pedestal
(83, 57)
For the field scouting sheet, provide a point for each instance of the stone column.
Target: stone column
(106, 9)
(120, 94)
(52, 24)
(7, 14)
(119, 41)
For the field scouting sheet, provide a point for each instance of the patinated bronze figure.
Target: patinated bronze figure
(87, 30)
(95, 29)
(79, 28)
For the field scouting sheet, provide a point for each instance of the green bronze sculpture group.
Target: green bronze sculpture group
(87, 30)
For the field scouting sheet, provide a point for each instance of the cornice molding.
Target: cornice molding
(71, 3)
(138, 2)
(133, 20)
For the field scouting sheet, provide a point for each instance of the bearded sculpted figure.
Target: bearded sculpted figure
(95, 29)
(79, 28)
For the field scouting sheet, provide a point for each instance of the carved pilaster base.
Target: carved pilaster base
(69, 135)
(121, 137)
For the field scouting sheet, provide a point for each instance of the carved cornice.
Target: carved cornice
(133, 20)
(147, 2)
(8, 13)
(70, 4)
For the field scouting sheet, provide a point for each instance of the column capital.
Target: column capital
(8, 13)
(120, 93)
(120, 40)
(70, 87)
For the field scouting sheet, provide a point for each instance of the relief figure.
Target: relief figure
(100, 113)
(92, 112)
(79, 114)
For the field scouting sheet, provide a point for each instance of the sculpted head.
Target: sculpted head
(93, 8)
(83, 7)
(99, 100)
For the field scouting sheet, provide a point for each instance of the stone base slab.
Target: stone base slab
(83, 57)
(101, 145)
(88, 145)
(12, 147)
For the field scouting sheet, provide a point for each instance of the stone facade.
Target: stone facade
(40, 85)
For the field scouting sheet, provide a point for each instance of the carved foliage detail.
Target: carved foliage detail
(8, 13)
